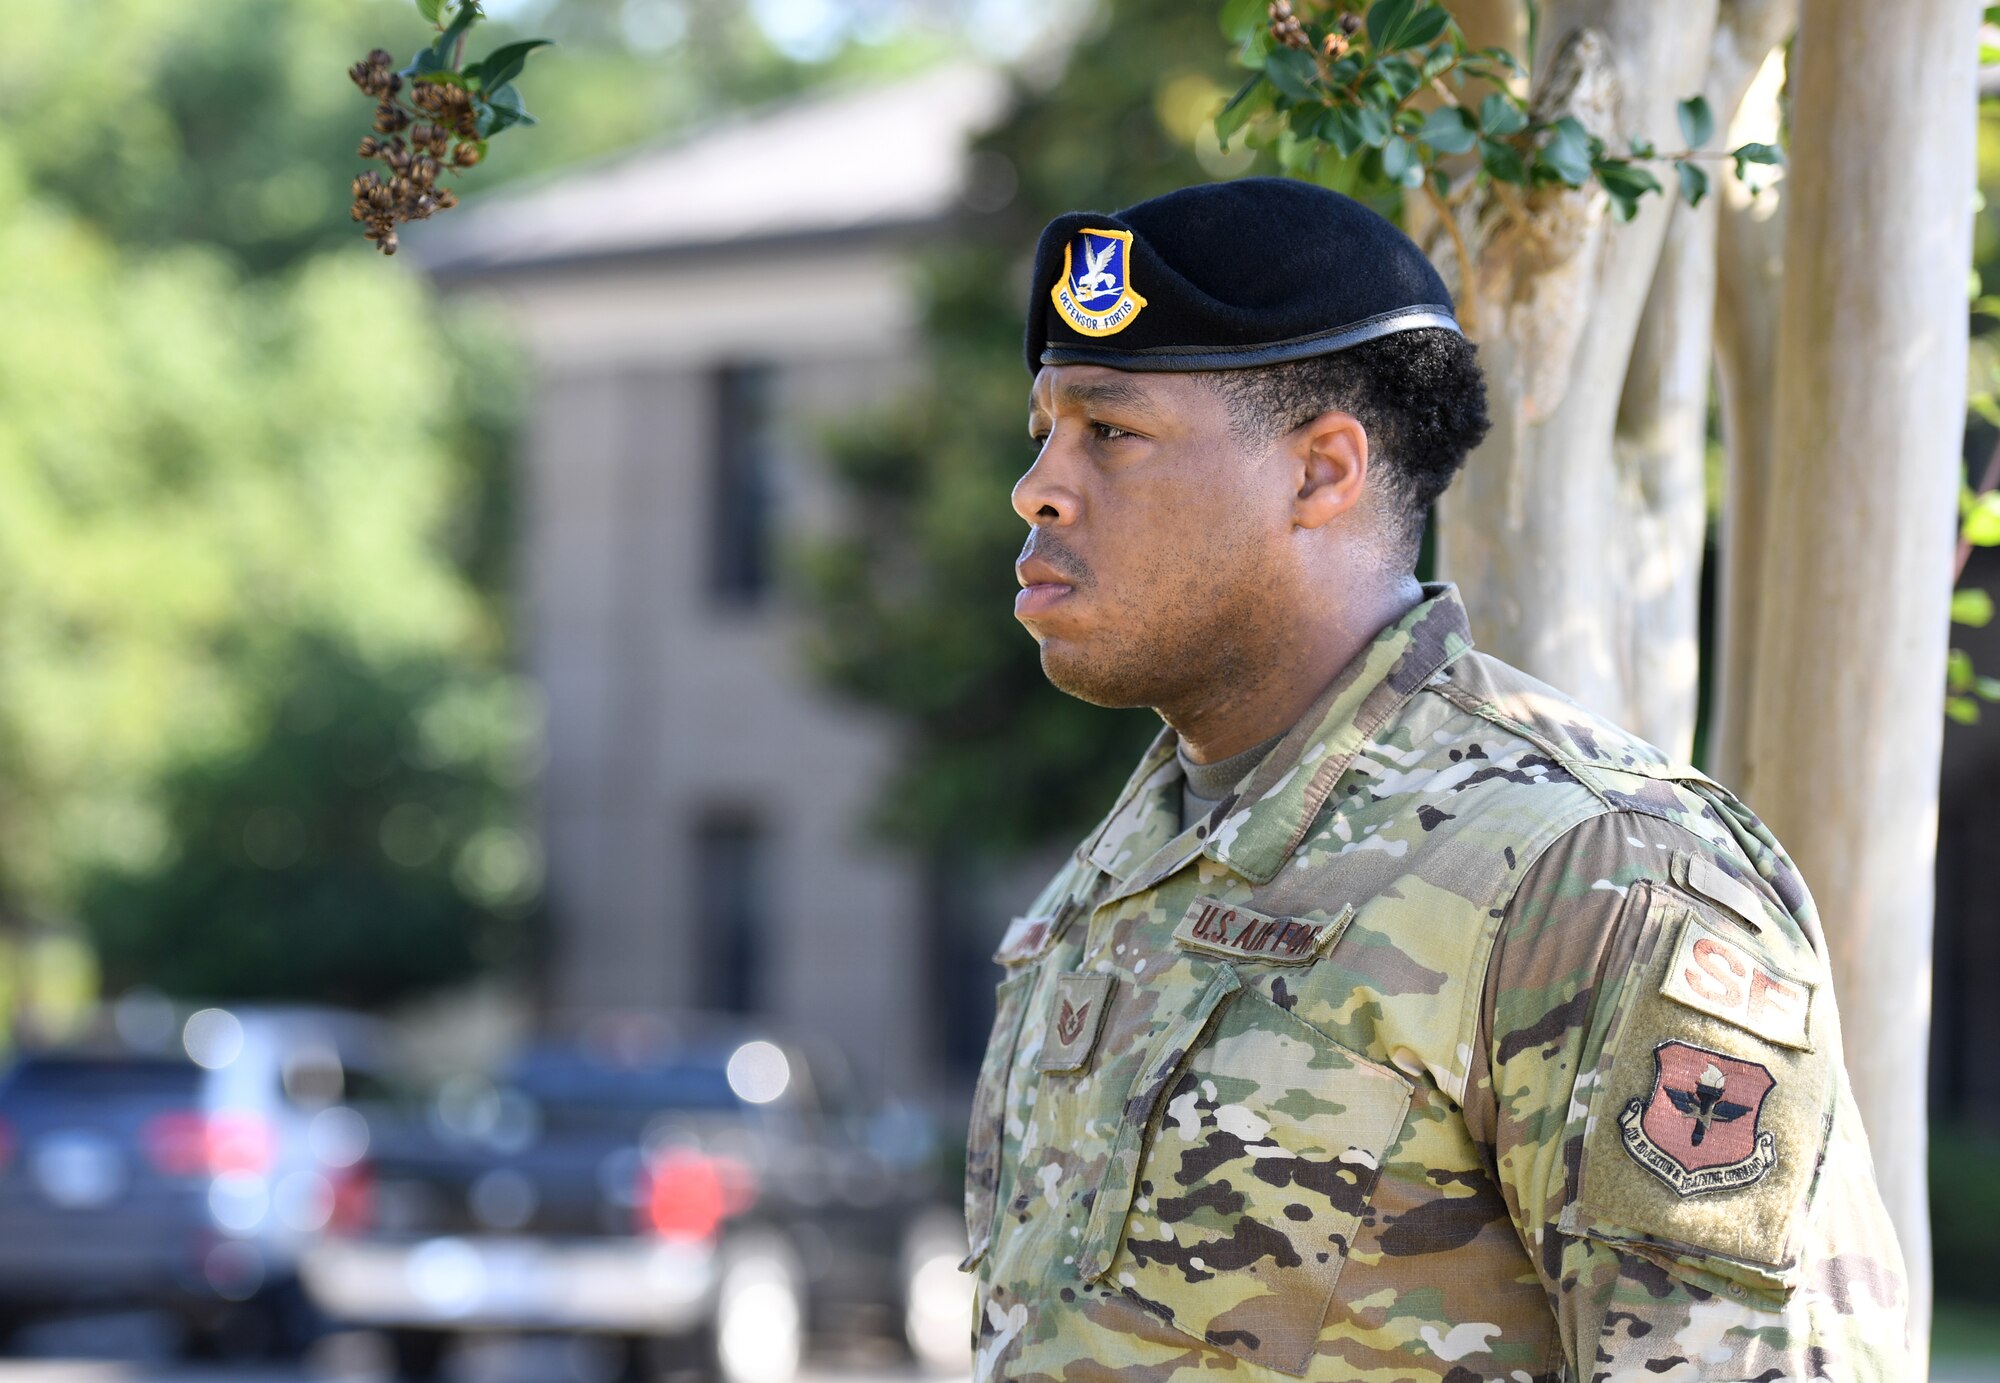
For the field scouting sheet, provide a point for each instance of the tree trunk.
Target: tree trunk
(1749, 264)
(1845, 719)
(1556, 303)
(1659, 451)
(1595, 339)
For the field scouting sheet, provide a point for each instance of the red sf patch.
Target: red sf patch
(1698, 1131)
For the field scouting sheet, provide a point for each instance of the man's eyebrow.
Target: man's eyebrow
(1083, 393)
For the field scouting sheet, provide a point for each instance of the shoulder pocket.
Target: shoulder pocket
(1712, 1111)
(1251, 1146)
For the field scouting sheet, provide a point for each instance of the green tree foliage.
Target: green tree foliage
(363, 842)
(258, 730)
(915, 609)
(233, 123)
(204, 476)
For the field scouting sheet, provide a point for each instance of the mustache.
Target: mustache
(1051, 550)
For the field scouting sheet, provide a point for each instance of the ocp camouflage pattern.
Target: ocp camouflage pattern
(1399, 1155)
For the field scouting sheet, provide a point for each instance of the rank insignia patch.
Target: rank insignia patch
(1094, 294)
(1076, 1012)
(1698, 1130)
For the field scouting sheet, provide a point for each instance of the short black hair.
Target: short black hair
(1419, 393)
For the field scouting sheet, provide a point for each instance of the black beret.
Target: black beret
(1224, 276)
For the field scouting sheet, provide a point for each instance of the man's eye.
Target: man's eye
(1109, 433)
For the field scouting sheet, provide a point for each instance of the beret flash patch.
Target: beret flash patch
(1094, 293)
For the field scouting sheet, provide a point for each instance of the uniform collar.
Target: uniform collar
(1140, 842)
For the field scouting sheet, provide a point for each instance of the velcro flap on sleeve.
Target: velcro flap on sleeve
(1705, 1131)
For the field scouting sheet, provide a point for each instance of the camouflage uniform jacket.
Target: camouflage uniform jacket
(1469, 1039)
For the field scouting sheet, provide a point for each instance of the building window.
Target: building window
(742, 463)
(731, 909)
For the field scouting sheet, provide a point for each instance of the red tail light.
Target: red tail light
(686, 1196)
(353, 1200)
(188, 1143)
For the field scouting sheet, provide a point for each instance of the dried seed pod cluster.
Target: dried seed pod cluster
(432, 116)
(1285, 26)
(406, 188)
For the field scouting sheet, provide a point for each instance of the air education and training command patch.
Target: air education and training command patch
(1094, 294)
(1698, 1131)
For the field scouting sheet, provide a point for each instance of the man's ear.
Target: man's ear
(1331, 464)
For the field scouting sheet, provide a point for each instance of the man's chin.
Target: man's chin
(1074, 672)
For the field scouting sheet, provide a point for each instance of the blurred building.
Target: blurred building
(695, 314)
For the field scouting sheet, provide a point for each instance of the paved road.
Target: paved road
(140, 1352)
(141, 1349)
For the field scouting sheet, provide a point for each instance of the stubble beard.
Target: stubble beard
(1188, 654)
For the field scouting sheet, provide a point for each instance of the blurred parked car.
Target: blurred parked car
(186, 1172)
(699, 1200)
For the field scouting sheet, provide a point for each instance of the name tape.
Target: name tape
(1232, 930)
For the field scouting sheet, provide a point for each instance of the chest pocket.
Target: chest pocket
(986, 1134)
(1252, 1143)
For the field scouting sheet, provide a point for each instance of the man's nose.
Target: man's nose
(1043, 497)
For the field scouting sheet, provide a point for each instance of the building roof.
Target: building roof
(852, 161)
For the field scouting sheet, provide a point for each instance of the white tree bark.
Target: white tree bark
(1658, 455)
(1845, 727)
(1580, 519)
(1749, 275)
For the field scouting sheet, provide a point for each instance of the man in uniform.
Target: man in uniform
(1403, 1020)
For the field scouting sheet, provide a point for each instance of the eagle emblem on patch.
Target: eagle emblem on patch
(1094, 293)
(1698, 1129)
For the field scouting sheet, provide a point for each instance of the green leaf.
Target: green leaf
(1958, 671)
(1501, 115)
(1981, 527)
(1448, 130)
(1242, 18)
(1697, 121)
(1337, 128)
(1424, 26)
(1292, 73)
(1971, 606)
(1372, 124)
(1386, 19)
(1502, 162)
(1694, 182)
(503, 109)
(1401, 75)
(1243, 106)
(1400, 164)
(1987, 688)
(430, 9)
(506, 62)
(1567, 154)
(1747, 154)
(1626, 184)
(438, 57)
(1962, 709)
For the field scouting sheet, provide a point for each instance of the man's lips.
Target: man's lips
(1042, 588)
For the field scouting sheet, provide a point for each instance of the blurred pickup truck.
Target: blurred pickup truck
(695, 1199)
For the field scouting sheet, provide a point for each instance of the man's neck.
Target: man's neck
(1230, 720)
